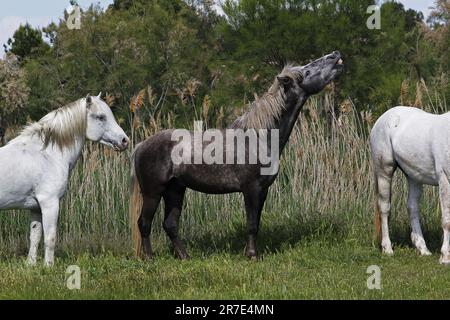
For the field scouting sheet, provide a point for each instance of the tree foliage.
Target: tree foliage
(13, 92)
(26, 42)
(187, 56)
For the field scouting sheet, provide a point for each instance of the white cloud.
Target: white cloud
(10, 24)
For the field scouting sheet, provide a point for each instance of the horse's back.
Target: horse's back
(410, 138)
(400, 123)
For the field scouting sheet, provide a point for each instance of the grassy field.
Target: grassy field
(307, 270)
(315, 240)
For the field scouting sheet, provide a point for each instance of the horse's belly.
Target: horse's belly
(27, 202)
(211, 187)
(420, 169)
(213, 179)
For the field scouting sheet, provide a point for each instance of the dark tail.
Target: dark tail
(135, 206)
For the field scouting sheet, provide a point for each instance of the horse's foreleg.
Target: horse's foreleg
(254, 203)
(444, 195)
(149, 207)
(413, 205)
(35, 236)
(173, 200)
(50, 211)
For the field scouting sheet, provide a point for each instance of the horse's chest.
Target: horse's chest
(21, 186)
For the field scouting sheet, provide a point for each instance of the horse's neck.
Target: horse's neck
(69, 155)
(288, 119)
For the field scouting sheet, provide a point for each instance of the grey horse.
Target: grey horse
(156, 175)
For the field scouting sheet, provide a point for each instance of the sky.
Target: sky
(40, 13)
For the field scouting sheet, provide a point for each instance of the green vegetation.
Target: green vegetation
(307, 270)
(315, 240)
(186, 53)
(166, 63)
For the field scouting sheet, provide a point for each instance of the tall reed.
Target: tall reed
(324, 191)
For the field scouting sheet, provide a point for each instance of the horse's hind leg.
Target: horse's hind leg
(413, 205)
(173, 200)
(384, 181)
(444, 196)
(149, 207)
(254, 199)
(35, 236)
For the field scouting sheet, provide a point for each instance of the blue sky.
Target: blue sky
(40, 13)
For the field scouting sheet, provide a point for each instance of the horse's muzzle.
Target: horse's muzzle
(123, 145)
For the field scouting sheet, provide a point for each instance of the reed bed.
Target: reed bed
(324, 192)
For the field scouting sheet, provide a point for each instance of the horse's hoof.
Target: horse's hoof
(250, 251)
(181, 253)
(146, 256)
(184, 257)
(445, 260)
(251, 254)
(425, 252)
(30, 262)
(386, 246)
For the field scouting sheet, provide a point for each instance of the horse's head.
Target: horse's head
(102, 126)
(313, 77)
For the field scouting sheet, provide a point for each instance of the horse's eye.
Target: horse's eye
(101, 117)
(307, 74)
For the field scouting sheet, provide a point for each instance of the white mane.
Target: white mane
(61, 126)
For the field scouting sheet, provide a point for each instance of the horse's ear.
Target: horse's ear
(285, 81)
(99, 95)
(88, 101)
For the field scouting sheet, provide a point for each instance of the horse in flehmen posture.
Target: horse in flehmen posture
(36, 165)
(156, 175)
(418, 143)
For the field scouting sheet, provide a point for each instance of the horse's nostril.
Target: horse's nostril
(125, 141)
(334, 55)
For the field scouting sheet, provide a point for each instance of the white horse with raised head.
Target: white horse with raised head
(35, 166)
(418, 143)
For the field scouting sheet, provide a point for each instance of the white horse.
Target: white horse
(418, 143)
(35, 166)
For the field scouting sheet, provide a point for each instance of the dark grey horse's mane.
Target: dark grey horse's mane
(267, 109)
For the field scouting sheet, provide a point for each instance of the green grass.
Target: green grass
(309, 259)
(315, 240)
(307, 270)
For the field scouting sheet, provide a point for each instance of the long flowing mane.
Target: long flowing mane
(61, 126)
(266, 110)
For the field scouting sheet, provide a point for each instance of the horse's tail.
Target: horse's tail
(135, 206)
